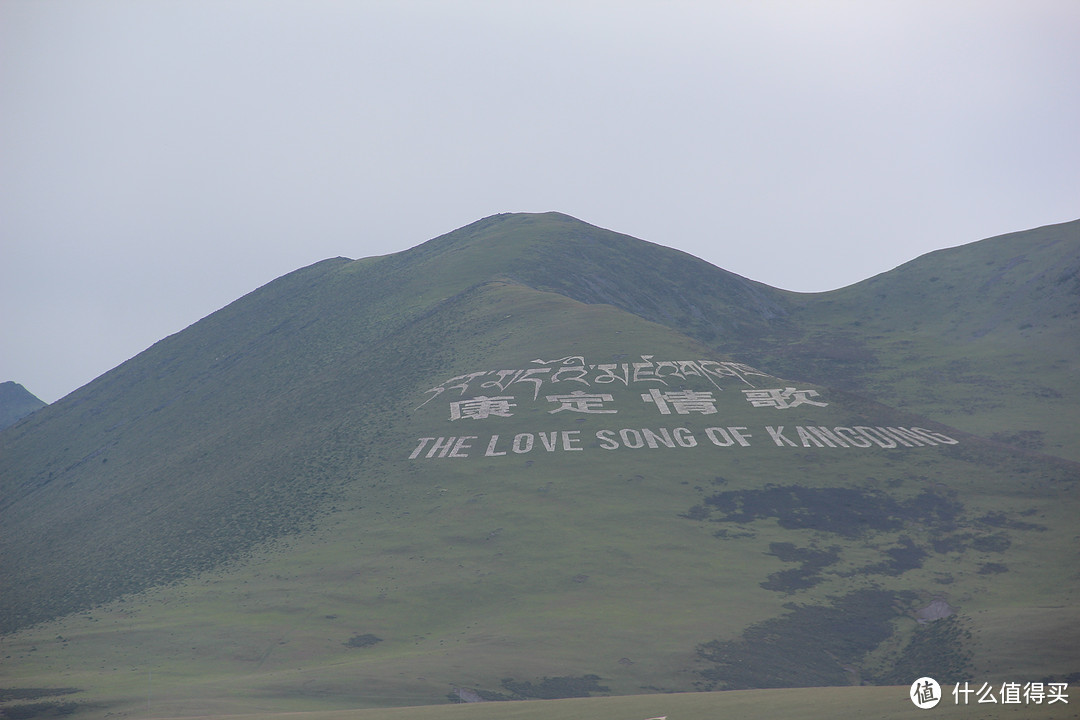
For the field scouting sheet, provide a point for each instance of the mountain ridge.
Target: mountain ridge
(510, 455)
(16, 402)
(1020, 313)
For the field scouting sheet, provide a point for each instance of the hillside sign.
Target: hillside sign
(576, 387)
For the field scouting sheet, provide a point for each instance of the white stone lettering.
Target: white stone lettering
(719, 437)
(554, 441)
(481, 407)
(685, 438)
(490, 452)
(523, 443)
(852, 438)
(721, 370)
(581, 401)
(461, 444)
(782, 398)
(684, 402)
(609, 374)
(607, 439)
(778, 436)
(740, 437)
(807, 438)
(442, 446)
(928, 435)
(575, 369)
(829, 437)
(875, 437)
(423, 441)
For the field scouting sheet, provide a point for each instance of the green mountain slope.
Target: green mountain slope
(16, 402)
(520, 461)
(982, 336)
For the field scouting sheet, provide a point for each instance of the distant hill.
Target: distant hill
(534, 458)
(16, 402)
(982, 336)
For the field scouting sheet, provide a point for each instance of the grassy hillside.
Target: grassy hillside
(371, 483)
(982, 337)
(16, 402)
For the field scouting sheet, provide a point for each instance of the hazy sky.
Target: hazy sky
(160, 158)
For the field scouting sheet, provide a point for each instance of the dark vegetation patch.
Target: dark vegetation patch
(1071, 678)
(908, 556)
(696, 512)
(42, 710)
(811, 645)
(789, 552)
(466, 695)
(1024, 439)
(950, 543)
(855, 513)
(8, 694)
(999, 542)
(1000, 520)
(39, 710)
(361, 641)
(811, 562)
(996, 542)
(938, 648)
(733, 534)
(848, 512)
(552, 688)
(993, 569)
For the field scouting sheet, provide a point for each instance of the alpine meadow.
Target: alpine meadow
(536, 460)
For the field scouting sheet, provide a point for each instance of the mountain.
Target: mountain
(16, 402)
(981, 336)
(534, 458)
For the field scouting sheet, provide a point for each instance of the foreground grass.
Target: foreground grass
(885, 703)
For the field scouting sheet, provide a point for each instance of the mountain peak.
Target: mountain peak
(564, 459)
(16, 402)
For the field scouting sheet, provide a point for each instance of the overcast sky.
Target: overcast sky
(160, 158)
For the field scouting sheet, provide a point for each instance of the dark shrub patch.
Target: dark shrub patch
(993, 569)
(992, 543)
(7, 694)
(809, 646)
(1025, 439)
(950, 543)
(732, 535)
(938, 511)
(848, 512)
(936, 649)
(359, 641)
(464, 695)
(40, 710)
(999, 520)
(788, 552)
(845, 511)
(557, 687)
(697, 512)
(788, 581)
(807, 574)
(908, 556)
